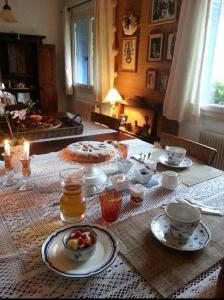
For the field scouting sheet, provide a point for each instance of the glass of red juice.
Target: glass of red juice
(110, 203)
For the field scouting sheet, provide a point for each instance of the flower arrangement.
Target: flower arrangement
(19, 115)
(13, 119)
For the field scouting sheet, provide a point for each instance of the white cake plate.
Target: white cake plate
(93, 177)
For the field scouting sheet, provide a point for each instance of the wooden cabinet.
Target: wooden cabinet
(47, 78)
(28, 66)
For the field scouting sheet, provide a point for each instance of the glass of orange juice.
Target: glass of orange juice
(123, 150)
(72, 201)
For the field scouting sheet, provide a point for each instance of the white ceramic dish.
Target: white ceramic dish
(186, 162)
(124, 165)
(120, 182)
(199, 239)
(55, 258)
(143, 175)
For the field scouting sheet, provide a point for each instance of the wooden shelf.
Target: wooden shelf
(15, 75)
(20, 90)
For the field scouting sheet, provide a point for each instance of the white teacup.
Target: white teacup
(175, 155)
(170, 180)
(183, 219)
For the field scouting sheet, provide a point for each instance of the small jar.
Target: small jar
(137, 192)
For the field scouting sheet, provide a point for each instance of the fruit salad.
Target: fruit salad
(80, 239)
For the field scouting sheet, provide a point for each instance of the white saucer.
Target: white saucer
(186, 162)
(54, 257)
(199, 239)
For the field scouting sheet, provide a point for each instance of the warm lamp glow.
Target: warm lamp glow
(6, 14)
(112, 97)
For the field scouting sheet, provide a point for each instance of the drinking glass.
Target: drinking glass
(123, 150)
(72, 201)
(26, 171)
(9, 177)
(110, 203)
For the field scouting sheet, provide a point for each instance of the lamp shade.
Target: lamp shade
(6, 14)
(113, 96)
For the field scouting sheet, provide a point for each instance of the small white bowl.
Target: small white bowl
(120, 182)
(143, 175)
(82, 254)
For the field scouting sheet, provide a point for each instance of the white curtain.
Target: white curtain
(68, 54)
(103, 49)
(185, 86)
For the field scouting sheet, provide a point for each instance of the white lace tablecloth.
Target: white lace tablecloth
(27, 218)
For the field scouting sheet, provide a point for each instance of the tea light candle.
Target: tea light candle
(7, 147)
(26, 150)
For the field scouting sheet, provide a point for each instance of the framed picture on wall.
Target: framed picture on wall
(171, 39)
(163, 80)
(129, 54)
(155, 47)
(151, 79)
(163, 11)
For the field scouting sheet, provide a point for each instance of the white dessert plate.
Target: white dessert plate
(186, 162)
(199, 239)
(54, 257)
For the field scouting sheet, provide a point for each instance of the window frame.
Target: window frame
(210, 109)
(84, 11)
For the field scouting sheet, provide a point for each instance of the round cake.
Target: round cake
(89, 152)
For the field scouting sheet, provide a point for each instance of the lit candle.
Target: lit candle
(7, 147)
(26, 150)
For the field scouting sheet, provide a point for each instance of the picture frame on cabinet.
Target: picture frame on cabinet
(151, 79)
(171, 39)
(129, 54)
(163, 11)
(155, 47)
(163, 80)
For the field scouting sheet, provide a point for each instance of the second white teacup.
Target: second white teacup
(170, 180)
(175, 155)
(183, 219)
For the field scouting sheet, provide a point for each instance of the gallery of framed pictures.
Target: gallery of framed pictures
(151, 79)
(129, 54)
(155, 47)
(163, 11)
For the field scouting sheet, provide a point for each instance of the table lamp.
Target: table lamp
(112, 97)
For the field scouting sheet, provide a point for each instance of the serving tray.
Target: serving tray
(68, 127)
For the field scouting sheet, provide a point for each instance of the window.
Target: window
(82, 45)
(215, 52)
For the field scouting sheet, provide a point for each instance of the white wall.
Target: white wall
(41, 17)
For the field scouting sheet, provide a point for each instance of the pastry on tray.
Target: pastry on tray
(88, 152)
(33, 122)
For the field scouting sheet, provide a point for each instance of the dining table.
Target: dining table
(28, 218)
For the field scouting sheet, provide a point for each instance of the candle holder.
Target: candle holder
(26, 171)
(9, 178)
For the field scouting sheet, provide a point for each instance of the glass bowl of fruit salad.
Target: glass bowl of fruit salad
(80, 243)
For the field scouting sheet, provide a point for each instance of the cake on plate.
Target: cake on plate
(89, 152)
